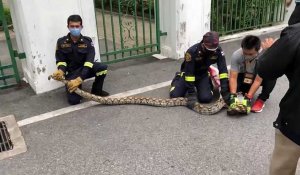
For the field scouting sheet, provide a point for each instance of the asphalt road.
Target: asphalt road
(139, 140)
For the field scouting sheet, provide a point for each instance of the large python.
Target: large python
(205, 109)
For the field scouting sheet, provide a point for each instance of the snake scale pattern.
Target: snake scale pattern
(205, 109)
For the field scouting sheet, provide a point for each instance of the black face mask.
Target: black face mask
(208, 52)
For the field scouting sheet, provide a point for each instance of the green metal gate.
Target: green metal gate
(232, 16)
(127, 29)
(9, 74)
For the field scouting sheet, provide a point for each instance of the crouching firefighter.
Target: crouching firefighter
(75, 61)
(195, 71)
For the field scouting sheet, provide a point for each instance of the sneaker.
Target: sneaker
(258, 106)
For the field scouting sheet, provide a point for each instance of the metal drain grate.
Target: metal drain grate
(11, 140)
(5, 141)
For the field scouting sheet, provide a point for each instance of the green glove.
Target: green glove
(247, 104)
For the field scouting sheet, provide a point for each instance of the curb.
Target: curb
(257, 32)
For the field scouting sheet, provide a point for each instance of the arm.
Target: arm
(60, 57)
(189, 69)
(234, 70)
(89, 62)
(256, 84)
(233, 81)
(223, 72)
(274, 62)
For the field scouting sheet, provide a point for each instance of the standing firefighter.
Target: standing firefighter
(75, 61)
(195, 70)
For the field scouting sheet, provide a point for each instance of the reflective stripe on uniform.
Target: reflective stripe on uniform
(223, 75)
(190, 78)
(181, 74)
(244, 102)
(61, 64)
(101, 73)
(172, 88)
(88, 64)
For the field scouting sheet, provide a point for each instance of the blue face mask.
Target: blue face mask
(75, 31)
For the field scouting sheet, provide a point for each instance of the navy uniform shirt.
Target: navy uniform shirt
(197, 61)
(71, 56)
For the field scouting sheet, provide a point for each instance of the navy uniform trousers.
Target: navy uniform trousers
(98, 71)
(203, 84)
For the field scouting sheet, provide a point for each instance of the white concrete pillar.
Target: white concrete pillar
(185, 21)
(38, 25)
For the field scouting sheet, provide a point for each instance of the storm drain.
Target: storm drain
(11, 139)
(5, 142)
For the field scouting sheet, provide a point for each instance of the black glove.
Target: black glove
(192, 99)
(226, 97)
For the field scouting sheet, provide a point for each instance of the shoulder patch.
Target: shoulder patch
(187, 57)
(214, 57)
(65, 45)
(82, 45)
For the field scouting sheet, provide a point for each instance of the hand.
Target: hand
(248, 96)
(288, 2)
(192, 99)
(267, 43)
(73, 84)
(58, 75)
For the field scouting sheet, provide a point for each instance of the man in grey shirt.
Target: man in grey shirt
(243, 76)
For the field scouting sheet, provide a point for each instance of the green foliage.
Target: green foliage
(127, 6)
(7, 17)
(231, 16)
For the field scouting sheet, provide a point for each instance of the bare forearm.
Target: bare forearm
(233, 85)
(256, 84)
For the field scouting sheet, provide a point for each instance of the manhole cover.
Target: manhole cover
(11, 139)
(5, 142)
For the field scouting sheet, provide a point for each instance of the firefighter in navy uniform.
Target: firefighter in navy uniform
(195, 71)
(75, 61)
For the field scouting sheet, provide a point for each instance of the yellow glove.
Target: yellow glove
(58, 75)
(73, 84)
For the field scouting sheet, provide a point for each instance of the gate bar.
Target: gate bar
(9, 44)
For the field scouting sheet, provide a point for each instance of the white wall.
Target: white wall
(38, 24)
(185, 21)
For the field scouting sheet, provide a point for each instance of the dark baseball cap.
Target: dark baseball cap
(211, 40)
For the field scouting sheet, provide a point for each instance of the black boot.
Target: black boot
(104, 93)
(97, 87)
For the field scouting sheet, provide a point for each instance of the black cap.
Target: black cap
(211, 40)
